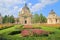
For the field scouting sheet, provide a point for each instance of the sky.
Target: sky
(13, 7)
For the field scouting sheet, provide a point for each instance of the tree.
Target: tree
(35, 18)
(5, 19)
(42, 18)
(8, 19)
(39, 18)
(11, 19)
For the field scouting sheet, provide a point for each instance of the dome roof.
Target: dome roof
(25, 11)
(52, 12)
(25, 7)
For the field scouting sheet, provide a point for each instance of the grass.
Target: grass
(8, 30)
(55, 36)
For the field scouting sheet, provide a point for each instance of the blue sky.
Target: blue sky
(12, 7)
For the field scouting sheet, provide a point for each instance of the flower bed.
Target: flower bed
(26, 33)
(34, 32)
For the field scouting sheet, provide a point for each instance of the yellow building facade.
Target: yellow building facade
(25, 15)
(53, 18)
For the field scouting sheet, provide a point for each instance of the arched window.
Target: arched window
(25, 21)
(56, 20)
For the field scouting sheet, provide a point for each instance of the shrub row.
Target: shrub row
(5, 27)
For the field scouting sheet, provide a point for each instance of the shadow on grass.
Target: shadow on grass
(14, 33)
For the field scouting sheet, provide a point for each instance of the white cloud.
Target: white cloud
(29, 4)
(45, 2)
(37, 7)
(19, 9)
(4, 11)
(9, 3)
(42, 4)
(9, 7)
(12, 1)
(16, 7)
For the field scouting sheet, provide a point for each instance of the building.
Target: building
(25, 15)
(0, 19)
(53, 18)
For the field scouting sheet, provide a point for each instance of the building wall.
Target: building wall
(25, 15)
(23, 20)
(53, 21)
(53, 18)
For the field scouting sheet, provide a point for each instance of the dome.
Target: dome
(52, 12)
(25, 7)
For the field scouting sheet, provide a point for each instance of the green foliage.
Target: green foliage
(8, 19)
(42, 19)
(11, 19)
(5, 27)
(39, 18)
(2, 38)
(5, 19)
(54, 36)
(19, 27)
(35, 18)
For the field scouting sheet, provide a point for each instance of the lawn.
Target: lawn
(53, 36)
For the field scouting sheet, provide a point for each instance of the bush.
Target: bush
(5, 27)
(26, 33)
(38, 32)
(34, 32)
